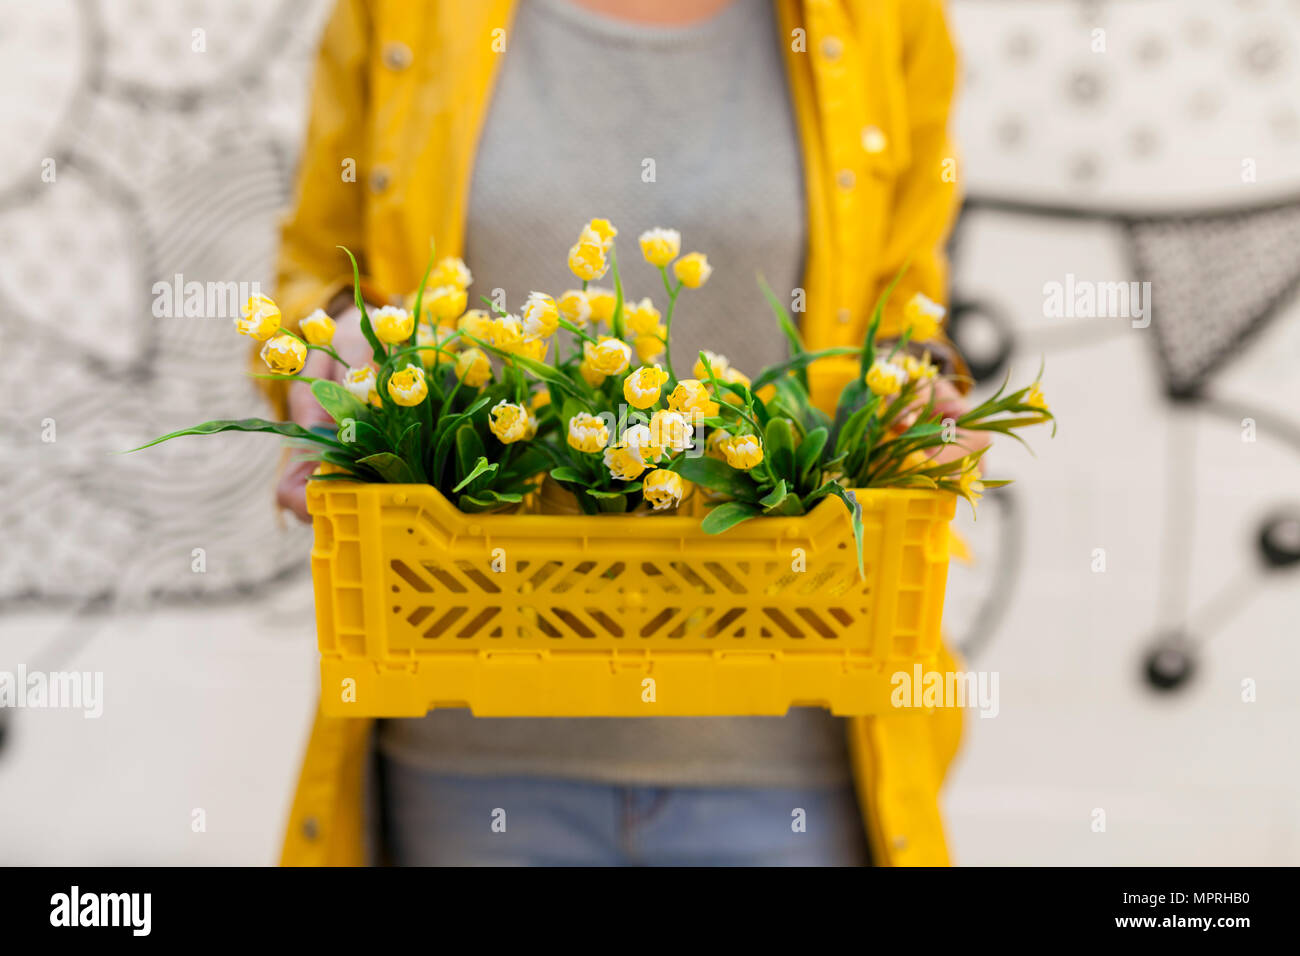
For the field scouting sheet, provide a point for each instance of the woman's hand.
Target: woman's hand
(949, 403)
(291, 491)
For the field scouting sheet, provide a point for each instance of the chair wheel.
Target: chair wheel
(1279, 540)
(1169, 665)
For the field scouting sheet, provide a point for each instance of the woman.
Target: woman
(803, 138)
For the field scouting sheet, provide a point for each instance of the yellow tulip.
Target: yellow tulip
(660, 246)
(643, 387)
(693, 269)
(361, 383)
(451, 271)
(575, 306)
(602, 302)
(922, 317)
(284, 355)
(692, 398)
(511, 423)
(671, 430)
(407, 386)
(392, 325)
(541, 316)
(473, 368)
(886, 378)
(650, 347)
(317, 328)
(587, 257)
(623, 463)
(587, 433)
(259, 318)
(663, 489)
(641, 318)
(445, 302)
(609, 356)
(604, 229)
(742, 452)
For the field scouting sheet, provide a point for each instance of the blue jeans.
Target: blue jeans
(435, 819)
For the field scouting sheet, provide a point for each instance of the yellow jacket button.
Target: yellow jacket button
(397, 56)
(846, 179)
(873, 140)
(832, 48)
(379, 179)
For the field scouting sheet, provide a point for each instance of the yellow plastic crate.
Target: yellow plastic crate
(419, 606)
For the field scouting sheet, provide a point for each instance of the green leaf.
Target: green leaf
(389, 467)
(567, 474)
(855, 515)
(284, 429)
(410, 450)
(779, 439)
(799, 362)
(728, 515)
(376, 347)
(487, 501)
(716, 476)
(469, 451)
(809, 454)
(481, 467)
(337, 401)
(549, 375)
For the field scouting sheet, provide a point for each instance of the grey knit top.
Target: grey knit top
(684, 127)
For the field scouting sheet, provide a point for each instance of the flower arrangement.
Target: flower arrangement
(486, 404)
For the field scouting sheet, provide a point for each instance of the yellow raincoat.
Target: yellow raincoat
(401, 91)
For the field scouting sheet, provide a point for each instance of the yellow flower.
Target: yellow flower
(451, 271)
(660, 246)
(971, 487)
(742, 452)
(361, 383)
(408, 387)
(317, 328)
(428, 336)
(639, 439)
(590, 374)
(602, 302)
(445, 302)
(671, 430)
(284, 355)
(692, 398)
(392, 325)
(259, 318)
(624, 463)
(712, 444)
(473, 368)
(587, 433)
(535, 350)
(1034, 397)
(541, 398)
(919, 369)
(604, 229)
(609, 356)
(506, 333)
(511, 423)
(477, 323)
(650, 347)
(641, 318)
(642, 387)
(693, 269)
(921, 317)
(587, 257)
(718, 362)
(734, 376)
(886, 378)
(575, 306)
(663, 489)
(540, 315)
